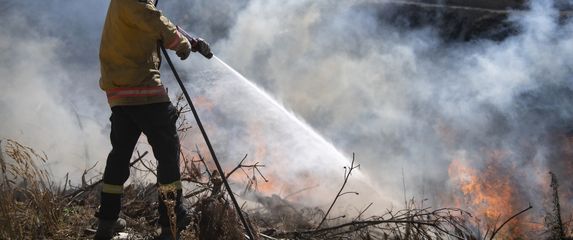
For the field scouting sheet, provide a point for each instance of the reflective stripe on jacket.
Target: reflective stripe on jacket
(129, 52)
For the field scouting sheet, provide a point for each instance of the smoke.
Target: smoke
(406, 99)
(49, 68)
(403, 99)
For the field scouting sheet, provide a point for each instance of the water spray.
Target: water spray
(208, 55)
(329, 147)
(290, 115)
(211, 150)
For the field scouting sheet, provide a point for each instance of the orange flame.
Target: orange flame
(490, 193)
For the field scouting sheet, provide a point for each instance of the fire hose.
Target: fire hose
(208, 55)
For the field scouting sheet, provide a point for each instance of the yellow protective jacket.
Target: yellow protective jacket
(129, 52)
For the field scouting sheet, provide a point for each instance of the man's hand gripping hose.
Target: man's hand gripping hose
(197, 44)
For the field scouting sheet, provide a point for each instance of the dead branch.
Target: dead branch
(347, 174)
(237, 167)
(196, 192)
(202, 159)
(399, 220)
(301, 190)
(84, 182)
(182, 107)
(255, 168)
(149, 168)
(362, 212)
(509, 219)
(76, 193)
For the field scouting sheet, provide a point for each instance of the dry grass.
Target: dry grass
(34, 207)
(216, 220)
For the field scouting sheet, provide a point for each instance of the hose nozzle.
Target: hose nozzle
(197, 44)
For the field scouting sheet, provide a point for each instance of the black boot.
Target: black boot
(106, 229)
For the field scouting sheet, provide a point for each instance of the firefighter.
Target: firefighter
(130, 60)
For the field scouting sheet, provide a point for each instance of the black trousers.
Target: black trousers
(158, 122)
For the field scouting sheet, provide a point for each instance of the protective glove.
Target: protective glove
(184, 51)
(201, 46)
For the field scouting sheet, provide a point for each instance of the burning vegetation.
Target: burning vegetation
(487, 206)
(35, 207)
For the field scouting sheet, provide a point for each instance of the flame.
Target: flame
(490, 193)
(499, 183)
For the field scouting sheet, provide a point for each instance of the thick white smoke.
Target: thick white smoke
(406, 99)
(45, 100)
